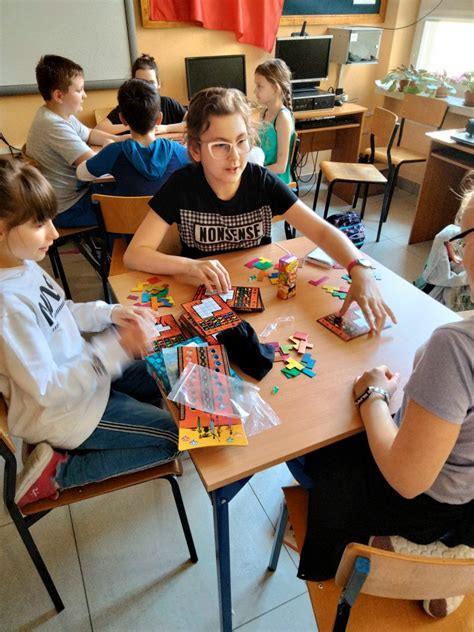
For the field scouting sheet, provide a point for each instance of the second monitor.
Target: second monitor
(226, 71)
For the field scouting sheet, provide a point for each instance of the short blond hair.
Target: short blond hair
(467, 186)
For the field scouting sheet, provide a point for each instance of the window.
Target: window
(446, 45)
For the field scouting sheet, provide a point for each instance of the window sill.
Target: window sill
(455, 103)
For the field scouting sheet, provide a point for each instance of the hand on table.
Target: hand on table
(211, 273)
(364, 291)
(380, 376)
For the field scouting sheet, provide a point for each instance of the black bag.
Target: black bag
(351, 225)
(243, 348)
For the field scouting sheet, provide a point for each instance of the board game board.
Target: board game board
(198, 428)
(351, 326)
(168, 333)
(240, 298)
(208, 317)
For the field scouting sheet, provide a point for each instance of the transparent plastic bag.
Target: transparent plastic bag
(270, 328)
(244, 398)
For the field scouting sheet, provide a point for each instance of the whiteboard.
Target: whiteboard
(99, 35)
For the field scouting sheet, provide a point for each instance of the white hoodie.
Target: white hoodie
(55, 383)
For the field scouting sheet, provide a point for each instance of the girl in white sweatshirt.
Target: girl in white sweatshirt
(90, 407)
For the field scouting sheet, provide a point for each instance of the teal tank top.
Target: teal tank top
(269, 143)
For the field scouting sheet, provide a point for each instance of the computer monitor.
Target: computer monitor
(226, 71)
(307, 58)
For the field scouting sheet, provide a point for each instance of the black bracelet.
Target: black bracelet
(368, 392)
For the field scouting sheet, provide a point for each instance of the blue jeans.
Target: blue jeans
(133, 434)
(82, 213)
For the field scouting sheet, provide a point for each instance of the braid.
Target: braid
(277, 72)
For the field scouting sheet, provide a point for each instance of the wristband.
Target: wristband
(368, 392)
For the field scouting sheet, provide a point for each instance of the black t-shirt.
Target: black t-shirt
(209, 226)
(173, 112)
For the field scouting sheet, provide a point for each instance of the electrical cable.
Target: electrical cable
(406, 26)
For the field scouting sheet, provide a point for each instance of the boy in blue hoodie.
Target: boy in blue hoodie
(142, 164)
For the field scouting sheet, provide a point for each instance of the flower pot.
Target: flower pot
(402, 84)
(441, 92)
(469, 98)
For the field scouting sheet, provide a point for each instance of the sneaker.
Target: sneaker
(91, 249)
(434, 607)
(36, 480)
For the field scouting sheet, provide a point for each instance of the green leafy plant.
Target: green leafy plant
(467, 80)
(439, 82)
(406, 79)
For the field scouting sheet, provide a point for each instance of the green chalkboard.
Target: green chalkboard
(333, 12)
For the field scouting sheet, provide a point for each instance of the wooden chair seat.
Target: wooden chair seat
(404, 576)
(33, 512)
(382, 130)
(352, 172)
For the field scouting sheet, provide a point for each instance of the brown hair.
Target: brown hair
(216, 102)
(25, 193)
(55, 73)
(278, 74)
(145, 62)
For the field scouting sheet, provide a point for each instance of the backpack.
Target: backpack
(351, 225)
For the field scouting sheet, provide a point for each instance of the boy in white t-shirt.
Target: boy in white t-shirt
(59, 142)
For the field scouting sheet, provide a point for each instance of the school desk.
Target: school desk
(342, 138)
(438, 201)
(314, 412)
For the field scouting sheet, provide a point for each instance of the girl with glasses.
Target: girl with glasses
(222, 202)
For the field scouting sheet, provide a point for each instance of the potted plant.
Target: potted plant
(405, 79)
(440, 85)
(467, 80)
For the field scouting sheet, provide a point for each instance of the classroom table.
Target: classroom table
(314, 412)
(438, 201)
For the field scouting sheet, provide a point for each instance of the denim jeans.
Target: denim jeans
(133, 434)
(82, 213)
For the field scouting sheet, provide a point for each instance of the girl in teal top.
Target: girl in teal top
(277, 134)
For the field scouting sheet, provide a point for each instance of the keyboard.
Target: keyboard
(329, 121)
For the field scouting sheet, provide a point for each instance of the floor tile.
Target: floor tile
(397, 258)
(295, 614)
(25, 603)
(135, 569)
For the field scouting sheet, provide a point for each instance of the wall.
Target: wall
(170, 45)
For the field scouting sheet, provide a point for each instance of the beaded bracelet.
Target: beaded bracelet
(368, 392)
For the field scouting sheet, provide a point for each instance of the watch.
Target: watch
(365, 263)
(368, 392)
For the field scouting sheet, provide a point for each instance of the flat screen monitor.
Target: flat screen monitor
(226, 71)
(307, 58)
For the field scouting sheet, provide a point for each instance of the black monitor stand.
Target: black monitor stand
(305, 88)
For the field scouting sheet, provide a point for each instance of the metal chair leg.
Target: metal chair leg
(183, 517)
(22, 528)
(364, 201)
(328, 198)
(356, 195)
(278, 538)
(316, 193)
(54, 253)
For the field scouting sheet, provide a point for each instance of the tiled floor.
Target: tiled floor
(120, 562)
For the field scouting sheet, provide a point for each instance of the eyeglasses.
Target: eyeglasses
(455, 245)
(220, 150)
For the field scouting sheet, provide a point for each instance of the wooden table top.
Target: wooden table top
(314, 411)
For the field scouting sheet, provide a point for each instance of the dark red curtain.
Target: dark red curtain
(253, 21)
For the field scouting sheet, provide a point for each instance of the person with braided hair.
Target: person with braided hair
(277, 133)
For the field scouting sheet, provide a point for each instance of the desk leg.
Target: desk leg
(220, 499)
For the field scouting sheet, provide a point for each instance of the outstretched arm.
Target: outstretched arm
(143, 254)
(364, 289)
